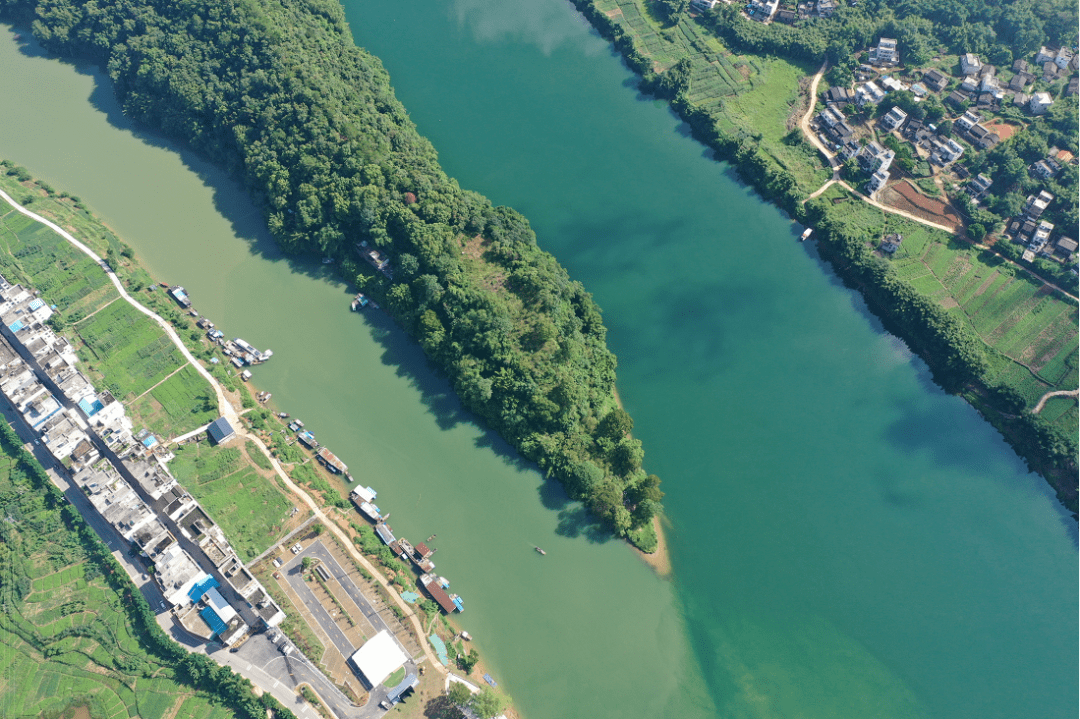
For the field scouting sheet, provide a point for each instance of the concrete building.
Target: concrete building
(893, 119)
(868, 94)
(885, 54)
(1040, 103)
(970, 64)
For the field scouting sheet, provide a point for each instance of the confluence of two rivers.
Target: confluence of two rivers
(847, 540)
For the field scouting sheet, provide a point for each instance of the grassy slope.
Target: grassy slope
(740, 92)
(249, 508)
(1032, 332)
(70, 640)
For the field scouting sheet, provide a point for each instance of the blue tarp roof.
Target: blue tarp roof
(196, 592)
(91, 408)
(210, 617)
(149, 441)
(36, 303)
(18, 325)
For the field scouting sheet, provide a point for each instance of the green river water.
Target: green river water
(847, 540)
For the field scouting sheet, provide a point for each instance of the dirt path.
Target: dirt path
(1058, 393)
(804, 124)
(159, 383)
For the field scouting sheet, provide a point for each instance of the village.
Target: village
(981, 103)
(200, 580)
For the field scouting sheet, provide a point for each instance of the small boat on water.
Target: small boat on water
(541, 551)
(805, 235)
(327, 260)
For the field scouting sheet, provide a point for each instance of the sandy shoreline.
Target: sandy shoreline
(660, 560)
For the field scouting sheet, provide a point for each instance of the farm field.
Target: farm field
(737, 91)
(128, 350)
(249, 507)
(1032, 327)
(121, 349)
(34, 255)
(178, 405)
(65, 637)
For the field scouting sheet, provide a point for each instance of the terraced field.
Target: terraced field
(65, 639)
(742, 94)
(1032, 327)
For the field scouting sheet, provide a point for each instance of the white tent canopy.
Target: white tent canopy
(379, 658)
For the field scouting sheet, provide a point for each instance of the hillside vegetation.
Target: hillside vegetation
(278, 92)
(76, 631)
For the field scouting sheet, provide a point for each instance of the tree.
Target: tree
(459, 694)
(487, 704)
(616, 424)
(308, 563)
(467, 662)
(627, 456)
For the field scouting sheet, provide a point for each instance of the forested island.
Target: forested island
(279, 94)
(741, 84)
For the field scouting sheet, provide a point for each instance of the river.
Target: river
(848, 541)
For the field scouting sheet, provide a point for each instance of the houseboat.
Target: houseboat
(180, 296)
(360, 302)
(252, 355)
(330, 461)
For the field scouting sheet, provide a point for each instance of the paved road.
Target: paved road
(294, 576)
(292, 570)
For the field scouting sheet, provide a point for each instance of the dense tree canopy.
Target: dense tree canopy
(277, 91)
(996, 29)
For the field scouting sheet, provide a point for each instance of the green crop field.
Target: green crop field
(129, 349)
(34, 255)
(250, 509)
(176, 406)
(64, 636)
(122, 350)
(1015, 314)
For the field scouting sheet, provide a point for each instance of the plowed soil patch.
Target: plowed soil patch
(1004, 130)
(904, 197)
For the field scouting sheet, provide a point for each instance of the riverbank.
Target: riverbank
(659, 559)
(120, 272)
(976, 364)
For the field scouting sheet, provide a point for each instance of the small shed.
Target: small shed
(220, 430)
